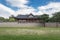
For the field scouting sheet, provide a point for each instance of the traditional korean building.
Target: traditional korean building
(28, 18)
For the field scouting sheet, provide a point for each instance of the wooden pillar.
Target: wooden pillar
(26, 20)
(18, 21)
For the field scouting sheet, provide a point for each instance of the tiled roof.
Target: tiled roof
(27, 16)
(22, 16)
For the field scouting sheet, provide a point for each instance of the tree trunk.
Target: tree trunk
(44, 24)
(57, 24)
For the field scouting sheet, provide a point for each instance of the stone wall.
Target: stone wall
(52, 24)
(16, 24)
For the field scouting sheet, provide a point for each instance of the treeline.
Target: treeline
(10, 19)
(54, 18)
(45, 17)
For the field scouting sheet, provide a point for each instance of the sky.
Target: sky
(23, 7)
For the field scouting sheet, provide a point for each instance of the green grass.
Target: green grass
(30, 37)
(28, 28)
(33, 33)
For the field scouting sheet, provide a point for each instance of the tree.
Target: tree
(45, 18)
(6, 20)
(2, 19)
(11, 18)
(56, 18)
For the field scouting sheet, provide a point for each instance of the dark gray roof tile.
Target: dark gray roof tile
(26, 16)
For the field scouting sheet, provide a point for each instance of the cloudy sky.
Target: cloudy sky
(37, 7)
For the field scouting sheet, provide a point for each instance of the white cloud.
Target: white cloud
(5, 11)
(27, 11)
(50, 8)
(24, 9)
(18, 3)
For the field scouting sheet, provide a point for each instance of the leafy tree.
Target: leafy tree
(55, 18)
(45, 18)
(11, 18)
(6, 20)
(2, 19)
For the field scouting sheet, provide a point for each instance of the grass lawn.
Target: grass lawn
(32, 33)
